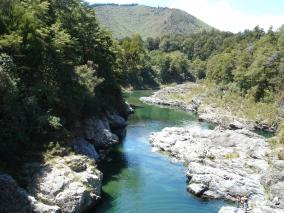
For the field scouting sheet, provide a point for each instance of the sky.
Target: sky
(227, 15)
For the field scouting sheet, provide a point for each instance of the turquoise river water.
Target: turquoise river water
(137, 180)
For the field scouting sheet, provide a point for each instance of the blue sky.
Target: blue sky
(229, 15)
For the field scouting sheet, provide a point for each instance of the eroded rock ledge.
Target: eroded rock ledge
(66, 182)
(73, 183)
(224, 164)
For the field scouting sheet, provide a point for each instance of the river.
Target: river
(137, 180)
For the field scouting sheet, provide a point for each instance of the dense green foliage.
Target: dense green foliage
(56, 68)
(250, 63)
(125, 20)
(141, 68)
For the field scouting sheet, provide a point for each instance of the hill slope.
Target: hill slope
(124, 20)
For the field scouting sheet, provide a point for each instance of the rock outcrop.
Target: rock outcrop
(83, 147)
(98, 132)
(105, 132)
(15, 199)
(221, 163)
(66, 182)
(72, 183)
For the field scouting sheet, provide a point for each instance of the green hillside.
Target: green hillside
(124, 20)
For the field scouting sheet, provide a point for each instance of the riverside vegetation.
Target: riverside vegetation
(59, 101)
(61, 76)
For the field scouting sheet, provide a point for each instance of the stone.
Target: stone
(116, 121)
(73, 183)
(81, 146)
(197, 189)
(17, 200)
(98, 132)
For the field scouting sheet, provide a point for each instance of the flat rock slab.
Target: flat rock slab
(220, 163)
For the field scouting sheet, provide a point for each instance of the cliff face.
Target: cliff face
(66, 181)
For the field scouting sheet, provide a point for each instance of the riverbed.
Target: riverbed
(137, 180)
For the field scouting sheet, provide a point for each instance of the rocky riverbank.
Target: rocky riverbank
(206, 112)
(67, 181)
(222, 164)
(225, 162)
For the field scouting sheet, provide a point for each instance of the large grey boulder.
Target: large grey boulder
(81, 146)
(116, 121)
(98, 132)
(197, 189)
(14, 199)
(117, 124)
(72, 183)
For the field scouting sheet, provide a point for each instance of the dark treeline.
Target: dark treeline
(56, 69)
(250, 63)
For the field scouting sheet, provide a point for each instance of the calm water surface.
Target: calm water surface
(140, 181)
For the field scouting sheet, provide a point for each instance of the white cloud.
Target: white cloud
(222, 16)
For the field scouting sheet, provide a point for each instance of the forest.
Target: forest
(58, 67)
(250, 62)
(246, 66)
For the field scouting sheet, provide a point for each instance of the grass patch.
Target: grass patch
(230, 102)
(232, 155)
(55, 149)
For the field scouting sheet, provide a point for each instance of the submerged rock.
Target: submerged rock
(73, 183)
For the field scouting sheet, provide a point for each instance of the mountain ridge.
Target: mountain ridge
(125, 20)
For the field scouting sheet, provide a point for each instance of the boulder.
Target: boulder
(197, 189)
(81, 146)
(116, 121)
(15, 199)
(98, 132)
(72, 183)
